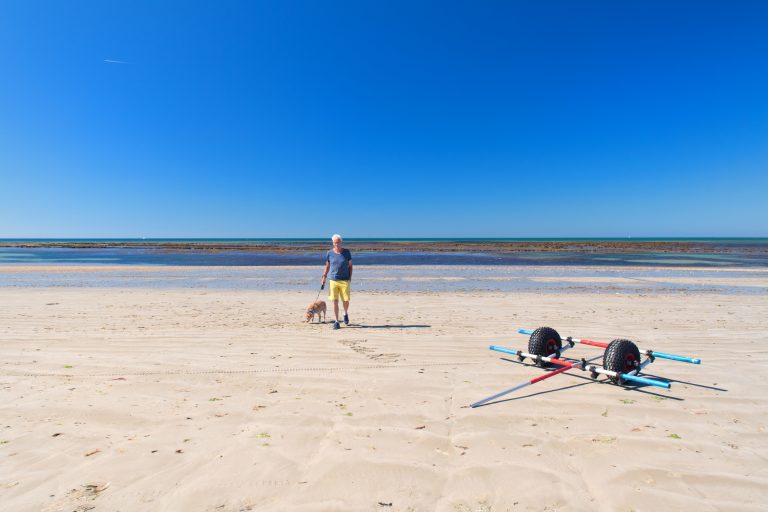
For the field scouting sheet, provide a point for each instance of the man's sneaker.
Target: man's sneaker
(346, 319)
(336, 324)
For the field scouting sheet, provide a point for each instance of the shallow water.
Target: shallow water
(424, 278)
(155, 256)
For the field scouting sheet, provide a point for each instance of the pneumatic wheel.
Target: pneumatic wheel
(621, 356)
(545, 341)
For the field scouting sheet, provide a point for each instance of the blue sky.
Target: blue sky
(383, 119)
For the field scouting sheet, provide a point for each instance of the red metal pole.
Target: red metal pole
(566, 367)
(590, 342)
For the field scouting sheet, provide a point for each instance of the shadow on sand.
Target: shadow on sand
(415, 326)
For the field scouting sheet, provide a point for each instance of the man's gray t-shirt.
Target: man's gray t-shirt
(339, 265)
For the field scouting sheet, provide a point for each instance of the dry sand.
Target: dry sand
(197, 400)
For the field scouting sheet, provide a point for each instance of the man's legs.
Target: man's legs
(346, 311)
(334, 296)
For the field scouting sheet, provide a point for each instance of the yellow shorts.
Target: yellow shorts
(338, 288)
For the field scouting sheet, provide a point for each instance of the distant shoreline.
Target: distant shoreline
(714, 246)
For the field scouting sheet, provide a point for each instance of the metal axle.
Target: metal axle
(647, 352)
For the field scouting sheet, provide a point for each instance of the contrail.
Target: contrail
(112, 61)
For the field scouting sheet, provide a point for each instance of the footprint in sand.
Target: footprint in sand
(369, 352)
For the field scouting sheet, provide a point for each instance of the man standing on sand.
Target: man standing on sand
(339, 262)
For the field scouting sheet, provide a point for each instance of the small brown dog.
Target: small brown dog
(316, 308)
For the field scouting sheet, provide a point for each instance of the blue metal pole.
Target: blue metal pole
(502, 349)
(642, 380)
(676, 358)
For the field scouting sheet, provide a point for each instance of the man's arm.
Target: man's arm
(325, 273)
(350, 270)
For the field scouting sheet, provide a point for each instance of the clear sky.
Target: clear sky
(383, 119)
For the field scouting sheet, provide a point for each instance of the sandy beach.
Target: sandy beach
(197, 399)
(180, 177)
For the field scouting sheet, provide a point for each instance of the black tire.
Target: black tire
(545, 341)
(621, 356)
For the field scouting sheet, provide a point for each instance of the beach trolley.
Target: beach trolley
(622, 360)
